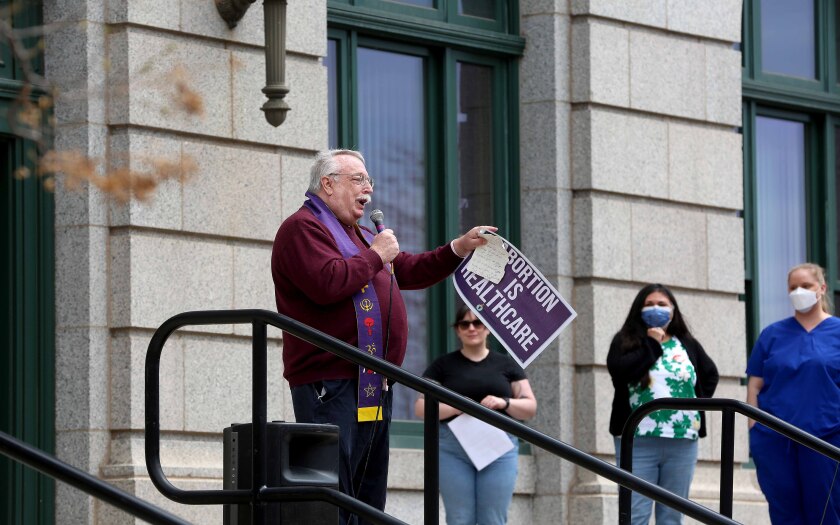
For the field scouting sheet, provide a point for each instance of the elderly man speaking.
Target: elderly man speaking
(336, 276)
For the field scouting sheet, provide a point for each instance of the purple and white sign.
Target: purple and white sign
(523, 310)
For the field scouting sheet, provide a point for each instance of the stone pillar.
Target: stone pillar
(203, 243)
(657, 184)
(546, 203)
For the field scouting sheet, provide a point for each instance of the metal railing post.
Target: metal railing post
(727, 461)
(625, 495)
(431, 465)
(258, 416)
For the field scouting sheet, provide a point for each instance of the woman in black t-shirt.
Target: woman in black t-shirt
(470, 495)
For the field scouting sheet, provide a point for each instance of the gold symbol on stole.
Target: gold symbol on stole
(366, 304)
(370, 390)
(365, 287)
(371, 348)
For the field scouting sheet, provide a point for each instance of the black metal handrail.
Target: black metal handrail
(728, 407)
(50, 466)
(260, 494)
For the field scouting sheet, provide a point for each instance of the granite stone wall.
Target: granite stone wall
(630, 172)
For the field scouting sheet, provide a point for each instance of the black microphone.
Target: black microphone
(378, 219)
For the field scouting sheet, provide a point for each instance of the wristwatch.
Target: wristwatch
(507, 403)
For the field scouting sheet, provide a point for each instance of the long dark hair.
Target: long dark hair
(634, 330)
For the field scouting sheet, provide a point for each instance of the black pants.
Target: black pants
(363, 447)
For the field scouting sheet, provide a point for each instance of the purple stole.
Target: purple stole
(368, 316)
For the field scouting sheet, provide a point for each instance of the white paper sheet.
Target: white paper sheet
(489, 260)
(483, 443)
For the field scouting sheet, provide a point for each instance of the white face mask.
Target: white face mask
(803, 300)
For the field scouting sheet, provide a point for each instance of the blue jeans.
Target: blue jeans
(471, 496)
(666, 462)
(362, 447)
(795, 479)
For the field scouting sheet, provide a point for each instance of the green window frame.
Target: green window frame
(443, 38)
(816, 103)
(27, 304)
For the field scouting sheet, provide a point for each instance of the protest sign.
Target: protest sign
(521, 308)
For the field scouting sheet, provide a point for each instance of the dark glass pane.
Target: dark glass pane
(332, 91)
(837, 194)
(478, 8)
(392, 137)
(780, 212)
(475, 144)
(421, 3)
(837, 39)
(787, 37)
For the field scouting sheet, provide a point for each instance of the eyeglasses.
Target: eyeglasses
(357, 179)
(465, 325)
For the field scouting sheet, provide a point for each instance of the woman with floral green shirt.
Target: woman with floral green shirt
(655, 356)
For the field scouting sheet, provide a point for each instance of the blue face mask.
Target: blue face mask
(656, 316)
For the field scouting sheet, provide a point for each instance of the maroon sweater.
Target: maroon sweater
(314, 284)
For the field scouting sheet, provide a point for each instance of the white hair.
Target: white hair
(325, 165)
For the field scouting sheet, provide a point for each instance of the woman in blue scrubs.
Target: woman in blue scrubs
(794, 374)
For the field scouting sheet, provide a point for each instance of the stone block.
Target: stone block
(81, 284)
(74, 61)
(725, 234)
(139, 151)
(705, 165)
(645, 12)
(605, 305)
(162, 14)
(145, 490)
(667, 74)
(593, 406)
(718, 321)
(181, 455)
(542, 7)
(128, 382)
(202, 18)
(719, 19)
(294, 181)
(82, 204)
(544, 131)
(279, 398)
(252, 283)
(85, 451)
(627, 153)
(728, 388)
(408, 506)
(155, 276)
(305, 25)
(217, 383)
(64, 11)
(723, 85)
(548, 238)
(151, 71)
(306, 125)
(672, 234)
(544, 67)
(593, 509)
(600, 63)
(81, 379)
(603, 237)
(235, 191)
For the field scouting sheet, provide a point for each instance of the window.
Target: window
(791, 121)
(27, 327)
(429, 96)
